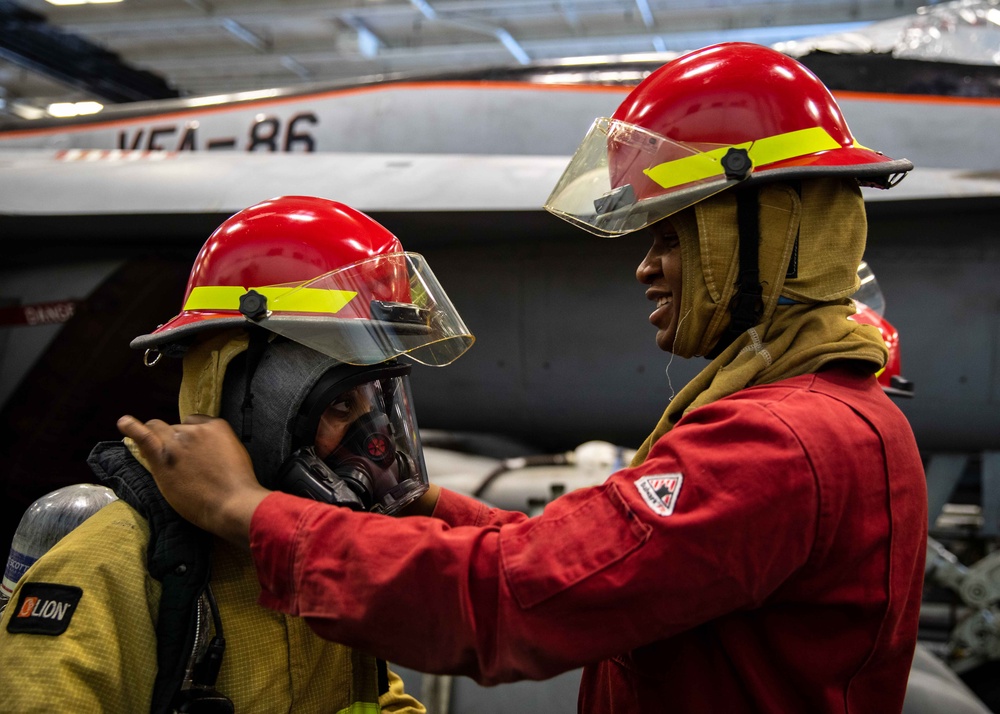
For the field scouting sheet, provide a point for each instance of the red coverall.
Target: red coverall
(782, 571)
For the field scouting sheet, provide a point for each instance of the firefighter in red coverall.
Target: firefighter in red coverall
(765, 550)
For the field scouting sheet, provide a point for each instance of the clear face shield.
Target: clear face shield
(623, 178)
(357, 442)
(869, 293)
(870, 305)
(365, 313)
(402, 310)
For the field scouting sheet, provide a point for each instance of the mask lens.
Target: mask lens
(349, 406)
(339, 410)
(335, 423)
(367, 437)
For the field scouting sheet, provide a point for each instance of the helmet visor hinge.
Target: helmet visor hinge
(615, 199)
(399, 312)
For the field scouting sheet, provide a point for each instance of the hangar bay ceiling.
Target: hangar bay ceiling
(132, 50)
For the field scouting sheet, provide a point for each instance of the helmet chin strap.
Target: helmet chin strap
(747, 305)
(255, 351)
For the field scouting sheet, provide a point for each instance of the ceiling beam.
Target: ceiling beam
(206, 61)
(246, 35)
(26, 39)
(144, 19)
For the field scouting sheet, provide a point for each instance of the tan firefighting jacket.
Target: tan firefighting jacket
(105, 660)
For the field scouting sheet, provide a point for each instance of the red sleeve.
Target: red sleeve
(601, 571)
(458, 510)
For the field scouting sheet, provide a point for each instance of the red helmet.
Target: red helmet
(322, 274)
(870, 305)
(706, 121)
(889, 377)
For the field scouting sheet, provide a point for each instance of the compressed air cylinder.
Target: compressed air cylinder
(45, 522)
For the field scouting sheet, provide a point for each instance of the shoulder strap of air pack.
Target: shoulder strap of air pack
(179, 556)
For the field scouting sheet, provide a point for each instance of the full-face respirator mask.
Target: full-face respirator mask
(359, 443)
(347, 437)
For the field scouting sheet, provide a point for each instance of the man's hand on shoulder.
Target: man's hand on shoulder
(202, 470)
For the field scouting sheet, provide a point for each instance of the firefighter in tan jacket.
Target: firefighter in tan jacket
(135, 610)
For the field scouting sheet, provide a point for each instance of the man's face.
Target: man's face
(660, 271)
(337, 419)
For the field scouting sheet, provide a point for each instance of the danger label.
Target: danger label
(48, 313)
(660, 492)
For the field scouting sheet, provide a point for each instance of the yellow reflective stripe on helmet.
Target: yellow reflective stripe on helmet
(689, 169)
(306, 299)
(762, 152)
(284, 299)
(361, 708)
